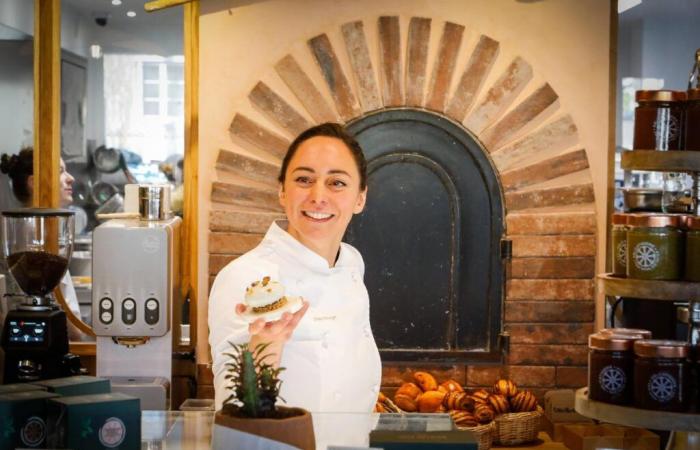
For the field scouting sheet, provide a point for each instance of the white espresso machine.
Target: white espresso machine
(135, 283)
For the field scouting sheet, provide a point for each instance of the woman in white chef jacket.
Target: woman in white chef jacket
(327, 348)
(20, 169)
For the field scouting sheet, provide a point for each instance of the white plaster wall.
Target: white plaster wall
(567, 42)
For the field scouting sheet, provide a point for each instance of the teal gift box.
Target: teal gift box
(93, 422)
(19, 387)
(24, 418)
(77, 385)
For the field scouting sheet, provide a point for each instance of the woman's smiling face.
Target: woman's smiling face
(321, 192)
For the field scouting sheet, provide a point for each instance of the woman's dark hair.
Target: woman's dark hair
(333, 130)
(19, 168)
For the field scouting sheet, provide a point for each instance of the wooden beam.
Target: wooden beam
(190, 228)
(157, 5)
(47, 106)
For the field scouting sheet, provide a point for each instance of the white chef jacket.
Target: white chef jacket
(331, 360)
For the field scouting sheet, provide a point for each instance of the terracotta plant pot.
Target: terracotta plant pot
(296, 430)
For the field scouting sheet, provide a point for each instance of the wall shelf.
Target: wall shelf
(648, 289)
(662, 161)
(635, 417)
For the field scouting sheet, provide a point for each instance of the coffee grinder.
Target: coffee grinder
(37, 244)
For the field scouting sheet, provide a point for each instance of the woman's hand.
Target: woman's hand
(275, 333)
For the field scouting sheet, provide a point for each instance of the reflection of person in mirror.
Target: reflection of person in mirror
(327, 348)
(20, 169)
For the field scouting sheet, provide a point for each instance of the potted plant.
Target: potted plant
(252, 406)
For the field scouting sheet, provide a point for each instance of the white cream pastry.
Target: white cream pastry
(265, 296)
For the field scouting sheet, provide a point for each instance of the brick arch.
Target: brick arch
(549, 297)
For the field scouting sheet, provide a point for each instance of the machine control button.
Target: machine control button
(106, 317)
(129, 311)
(106, 303)
(152, 312)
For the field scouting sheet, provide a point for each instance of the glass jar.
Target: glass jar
(692, 120)
(661, 375)
(676, 196)
(659, 120)
(619, 244)
(644, 334)
(611, 367)
(692, 248)
(655, 247)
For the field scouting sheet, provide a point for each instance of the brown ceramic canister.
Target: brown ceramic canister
(659, 120)
(610, 367)
(655, 247)
(619, 244)
(692, 248)
(661, 375)
(692, 121)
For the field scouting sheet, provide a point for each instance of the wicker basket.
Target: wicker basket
(517, 428)
(483, 434)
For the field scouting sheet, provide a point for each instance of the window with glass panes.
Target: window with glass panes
(163, 89)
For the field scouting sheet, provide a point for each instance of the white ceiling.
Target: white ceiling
(117, 14)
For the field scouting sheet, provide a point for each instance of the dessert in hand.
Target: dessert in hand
(266, 299)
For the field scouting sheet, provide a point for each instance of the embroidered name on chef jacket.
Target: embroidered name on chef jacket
(320, 318)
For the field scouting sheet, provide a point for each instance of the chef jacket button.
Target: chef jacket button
(367, 330)
(375, 389)
(337, 395)
(355, 277)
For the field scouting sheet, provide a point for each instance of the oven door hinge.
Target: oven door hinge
(506, 249)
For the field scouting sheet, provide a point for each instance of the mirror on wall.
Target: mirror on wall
(122, 112)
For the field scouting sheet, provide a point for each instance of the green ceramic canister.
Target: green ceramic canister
(692, 248)
(655, 247)
(619, 244)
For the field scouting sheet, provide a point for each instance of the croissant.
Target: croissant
(481, 396)
(463, 419)
(458, 400)
(406, 403)
(410, 390)
(430, 401)
(483, 413)
(505, 387)
(384, 404)
(524, 401)
(425, 381)
(499, 403)
(450, 386)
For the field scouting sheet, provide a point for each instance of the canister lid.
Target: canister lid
(663, 95)
(692, 222)
(619, 218)
(693, 94)
(654, 220)
(661, 349)
(615, 342)
(645, 334)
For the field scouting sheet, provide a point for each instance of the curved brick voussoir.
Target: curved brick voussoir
(304, 90)
(251, 168)
(234, 194)
(277, 109)
(501, 95)
(444, 66)
(250, 133)
(358, 53)
(343, 96)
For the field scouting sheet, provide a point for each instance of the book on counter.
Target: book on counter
(420, 432)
